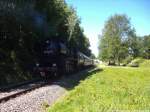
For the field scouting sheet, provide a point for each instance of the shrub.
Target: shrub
(135, 62)
(127, 60)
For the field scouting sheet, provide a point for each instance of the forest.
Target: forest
(24, 23)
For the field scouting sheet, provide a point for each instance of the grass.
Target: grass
(114, 88)
(145, 64)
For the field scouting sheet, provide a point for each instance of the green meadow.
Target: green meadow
(112, 89)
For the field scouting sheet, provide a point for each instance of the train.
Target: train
(56, 59)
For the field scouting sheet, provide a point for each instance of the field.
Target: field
(113, 89)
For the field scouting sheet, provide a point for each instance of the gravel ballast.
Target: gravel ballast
(33, 101)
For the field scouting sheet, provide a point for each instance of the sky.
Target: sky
(94, 14)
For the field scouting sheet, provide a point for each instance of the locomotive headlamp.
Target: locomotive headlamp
(54, 64)
(47, 41)
(37, 64)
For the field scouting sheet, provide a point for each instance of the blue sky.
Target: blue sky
(94, 13)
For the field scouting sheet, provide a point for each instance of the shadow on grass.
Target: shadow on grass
(70, 81)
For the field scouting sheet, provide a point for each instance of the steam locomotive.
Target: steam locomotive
(56, 59)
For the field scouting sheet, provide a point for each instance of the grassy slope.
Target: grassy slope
(145, 64)
(115, 88)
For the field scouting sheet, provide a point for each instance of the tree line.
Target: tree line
(23, 23)
(119, 42)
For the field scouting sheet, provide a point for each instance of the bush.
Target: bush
(135, 62)
(127, 60)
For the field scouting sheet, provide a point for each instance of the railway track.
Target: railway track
(33, 86)
(14, 86)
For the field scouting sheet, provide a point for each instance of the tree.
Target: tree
(113, 42)
(146, 47)
(134, 44)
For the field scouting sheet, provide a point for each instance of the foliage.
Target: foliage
(113, 42)
(127, 60)
(28, 22)
(119, 41)
(134, 46)
(113, 89)
(139, 62)
(146, 47)
(136, 62)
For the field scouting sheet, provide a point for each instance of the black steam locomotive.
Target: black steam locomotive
(56, 59)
